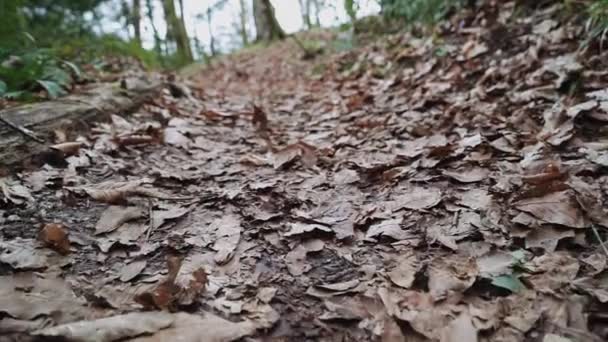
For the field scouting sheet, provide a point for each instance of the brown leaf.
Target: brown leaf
(182, 286)
(404, 273)
(68, 148)
(557, 207)
(132, 270)
(228, 235)
(55, 236)
(455, 273)
(110, 329)
(113, 192)
(14, 192)
(259, 119)
(468, 175)
(24, 254)
(31, 295)
(114, 216)
(459, 330)
(418, 198)
(197, 328)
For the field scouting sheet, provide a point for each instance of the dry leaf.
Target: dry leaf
(198, 328)
(418, 198)
(14, 192)
(132, 270)
(404, 273)
(111, 328)
(55, 236)
(557, 207)
(114, 216)
(182, 286)
(455, 273)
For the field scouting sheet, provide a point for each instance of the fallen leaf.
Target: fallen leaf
(14, 192)
(132, 270)
(451, 274)
(113, 192)
(470, 175)
(25, 254)
(55, 236)
(557, 207)
(547, 238)
(182, 286)
(114, 216)
(111, 328)
(303, 228)
(339, 287)
(509, 282)
(68, 148)
(30, 295)
(459, 330)
(404, 273)
(391, 228)
(418, 198)
(198, 328)
(228, 235)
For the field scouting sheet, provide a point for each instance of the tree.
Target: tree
(266, 24)
(305, 8)
(136, 20)
(176, 32)
(157, 40)
(243, 23)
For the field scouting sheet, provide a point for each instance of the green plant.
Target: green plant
(418, 11)
(22, 74)
(597, 23)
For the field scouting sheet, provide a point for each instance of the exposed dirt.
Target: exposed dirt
(446, 189)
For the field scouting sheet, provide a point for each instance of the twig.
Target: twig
(26, 132)
(151, 215)
(599, 238)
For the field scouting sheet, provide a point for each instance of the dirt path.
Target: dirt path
(412, 191)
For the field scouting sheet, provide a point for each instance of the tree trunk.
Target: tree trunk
(305, 8)
(243, 23)
(176, 32)
(157, 40)
(317, 6)
(266, 23)
(211, 36)
(136, 20)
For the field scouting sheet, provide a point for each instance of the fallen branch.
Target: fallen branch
(26, 132)
(72, 114)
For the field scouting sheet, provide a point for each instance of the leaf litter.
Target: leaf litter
(424, 196)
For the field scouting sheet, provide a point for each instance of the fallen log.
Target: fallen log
(27, 131)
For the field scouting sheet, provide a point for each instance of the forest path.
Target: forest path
(411, 191)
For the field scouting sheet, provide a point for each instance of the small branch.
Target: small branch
(151, 215)
(599, 238)
(24, 131)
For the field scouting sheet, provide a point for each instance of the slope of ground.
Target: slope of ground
(446, 189)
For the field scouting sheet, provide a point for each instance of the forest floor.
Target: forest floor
(448, 189)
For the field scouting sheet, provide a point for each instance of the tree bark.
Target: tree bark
(176, 32)
(305, 8)
(136, 20)
(157, 40)
(266, 23)
(72, 113)
(243, 23)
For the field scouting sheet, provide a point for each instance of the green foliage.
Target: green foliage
(22, 74)
(351, 7)
(598, 19)
(418, 11)
(90, 47)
